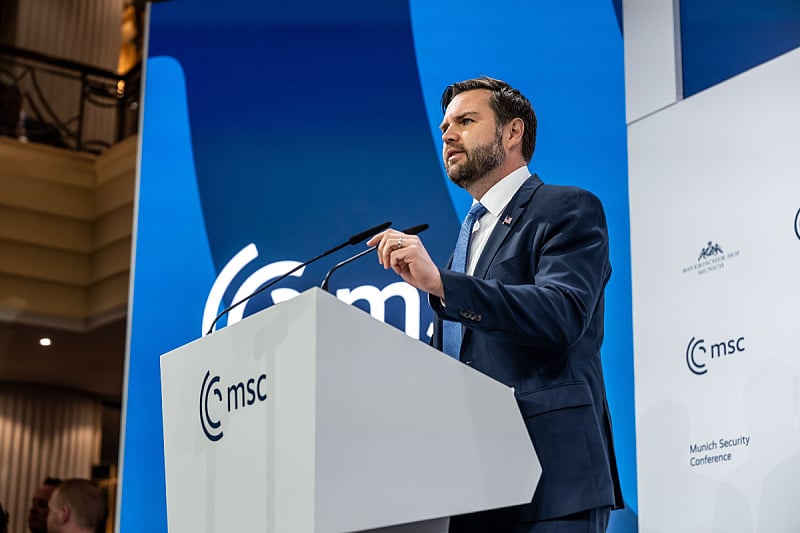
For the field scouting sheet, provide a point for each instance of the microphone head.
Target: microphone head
(414, 230)
(355, 239)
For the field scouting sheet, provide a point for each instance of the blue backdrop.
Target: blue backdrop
(293, 127)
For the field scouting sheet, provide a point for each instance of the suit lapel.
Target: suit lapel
(510, 217)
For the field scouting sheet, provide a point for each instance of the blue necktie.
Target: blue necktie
(451, 331)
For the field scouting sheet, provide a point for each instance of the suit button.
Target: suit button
(470, 315)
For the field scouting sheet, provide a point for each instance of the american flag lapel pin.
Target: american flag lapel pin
(507, 220)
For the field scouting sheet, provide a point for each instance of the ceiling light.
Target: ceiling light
(45, 341)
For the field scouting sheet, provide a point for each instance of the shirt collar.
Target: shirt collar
(496, 199)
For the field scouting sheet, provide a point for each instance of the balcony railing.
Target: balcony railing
(65, 103)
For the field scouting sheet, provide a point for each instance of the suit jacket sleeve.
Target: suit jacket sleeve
(543, 285)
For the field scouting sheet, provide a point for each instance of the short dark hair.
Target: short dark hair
(506, 102)
(87, 501)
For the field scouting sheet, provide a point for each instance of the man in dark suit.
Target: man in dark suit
(522, 301)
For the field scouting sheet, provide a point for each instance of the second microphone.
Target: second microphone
(413, 230)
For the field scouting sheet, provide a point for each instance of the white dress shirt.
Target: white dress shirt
(495, 201)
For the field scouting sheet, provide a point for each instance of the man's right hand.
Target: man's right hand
(407, 256)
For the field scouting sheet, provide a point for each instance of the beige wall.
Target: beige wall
(65, 234)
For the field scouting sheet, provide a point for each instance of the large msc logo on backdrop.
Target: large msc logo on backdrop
(711, 258)
(797, 224)
(219, 400)
(699, 354)
(375, 297)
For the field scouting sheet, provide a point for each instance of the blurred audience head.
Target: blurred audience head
(37, 516)
(3, 520)
(77, 506)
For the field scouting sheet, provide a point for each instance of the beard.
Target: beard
(478, 162)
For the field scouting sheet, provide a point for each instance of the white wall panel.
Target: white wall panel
(652, 56)
(718, 172)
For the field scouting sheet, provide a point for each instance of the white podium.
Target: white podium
(311, 416)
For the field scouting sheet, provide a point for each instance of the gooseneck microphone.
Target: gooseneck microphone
(355, 239)
(413, 230)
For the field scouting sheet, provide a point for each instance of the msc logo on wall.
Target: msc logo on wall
(700, 354)
(797, 224)
(374, 296)
(711, 257)
(217, 398)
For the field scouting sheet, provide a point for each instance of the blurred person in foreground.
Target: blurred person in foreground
(37, 515)
(3, 520)
(77, 506)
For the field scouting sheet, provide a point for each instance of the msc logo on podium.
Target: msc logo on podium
(238, 395)
(697, 355)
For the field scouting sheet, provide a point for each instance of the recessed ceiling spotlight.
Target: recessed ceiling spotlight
(45, 341)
